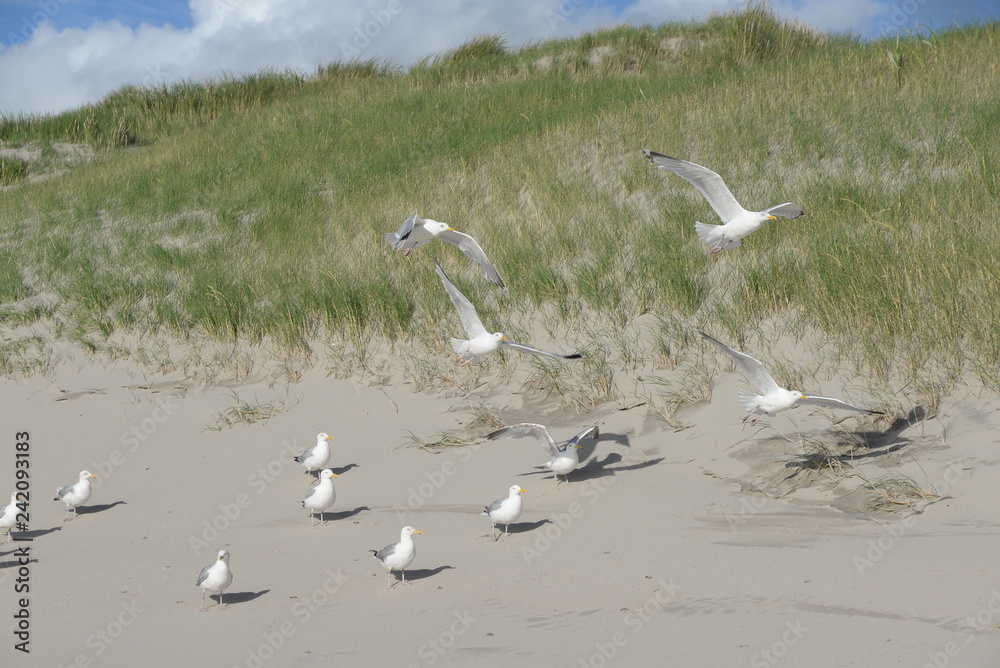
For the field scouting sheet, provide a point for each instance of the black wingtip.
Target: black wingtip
(574, 356)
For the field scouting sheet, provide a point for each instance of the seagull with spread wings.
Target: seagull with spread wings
(416, 232)
(563, 458)
(737, 221)
(480, 342)
(773, 398)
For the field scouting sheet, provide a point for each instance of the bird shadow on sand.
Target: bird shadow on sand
(517, 527)
(91, 510)
(36, 533)
(12, 563)
(341, 470)
(602, 468)
(239, 596)
(421, 573)
(342, 515)
(589, 445)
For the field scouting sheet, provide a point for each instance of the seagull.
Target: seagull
(737, 221)
(214, 579)
(772, 398)
(564, 458)
(480, 342)
(505, 510)
(316, 457)
(320, 497)
(8, 516)
(416, 232)
(397, 556)
(75, 494)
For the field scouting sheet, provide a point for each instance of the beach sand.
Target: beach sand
(704, 545)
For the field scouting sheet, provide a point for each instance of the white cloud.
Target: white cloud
(57, 70)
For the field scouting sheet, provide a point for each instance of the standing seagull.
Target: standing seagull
(397, 556)
(564, 458)
(316, 457)
(505, 510)
(320, 497)
(481, 342)
(772, 398)
(8, 516)
(215, 578)
(737, 221)
(75, 494)
(416, 232)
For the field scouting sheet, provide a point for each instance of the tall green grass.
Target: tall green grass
(253, 209)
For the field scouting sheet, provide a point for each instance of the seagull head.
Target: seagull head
(86, 474)
(516, 489)
(499, 336)
(224, 556)
(327, 473)
(436, 228)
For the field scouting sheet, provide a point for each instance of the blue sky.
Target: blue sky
(59, 54)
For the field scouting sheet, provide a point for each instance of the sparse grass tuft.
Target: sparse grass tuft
(444, 439)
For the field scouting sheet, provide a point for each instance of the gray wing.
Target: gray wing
(64, 491)
(527, 429)
(704, 179)
(536, 351)
(788, 210)
(466, 311)
(400, 235)
(305, 454)
(386, 552)
(589, 432)
(495, 505)
(203, 575)
(474, 252)
(312, 490)
(831, 402)
(754, 370)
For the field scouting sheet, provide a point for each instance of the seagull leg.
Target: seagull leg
(222, 606)
(202, 608)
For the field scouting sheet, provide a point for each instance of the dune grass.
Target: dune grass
(254, 208)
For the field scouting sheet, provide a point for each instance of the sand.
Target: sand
(699, 546)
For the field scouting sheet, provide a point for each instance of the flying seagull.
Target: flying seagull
(214, 579)
(397, 556)
(75, 494)
(505, 510)
(481, 342)
(773, 398)
(564, 458)
(416, 232)
(737, 221)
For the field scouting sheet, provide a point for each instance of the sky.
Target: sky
(61, 54)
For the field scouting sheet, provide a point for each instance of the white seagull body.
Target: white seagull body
(564, 458)
(480, 342)
(316, 457)
(320, 497)
(416, 232)
(215, 578)
(397, 556)
(75, 494)
(505, 510)
(8, 515)
(774, 398)
(737, 221)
